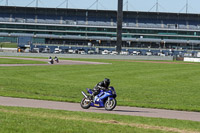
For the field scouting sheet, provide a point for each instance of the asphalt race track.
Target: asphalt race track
(61, 62)
(121, 110)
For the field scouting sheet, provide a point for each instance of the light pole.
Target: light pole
(119, 25)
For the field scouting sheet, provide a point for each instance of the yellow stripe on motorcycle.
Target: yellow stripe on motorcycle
(96, 104)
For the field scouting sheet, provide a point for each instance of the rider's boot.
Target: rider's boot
(90, 97)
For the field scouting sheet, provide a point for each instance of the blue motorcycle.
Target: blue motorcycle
(103, 99)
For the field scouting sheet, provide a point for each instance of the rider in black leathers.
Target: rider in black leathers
(103, 85)
(56, 59)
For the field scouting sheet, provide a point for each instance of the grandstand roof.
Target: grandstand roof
(92, 10)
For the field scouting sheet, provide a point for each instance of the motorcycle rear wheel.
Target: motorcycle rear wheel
(110, 106)
(85, 103)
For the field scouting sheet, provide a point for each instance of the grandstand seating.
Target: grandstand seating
(21, 34)
(82, 25)
(181, 26)
(97, 21)
(3, 34)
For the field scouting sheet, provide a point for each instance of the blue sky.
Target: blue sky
(134, 5)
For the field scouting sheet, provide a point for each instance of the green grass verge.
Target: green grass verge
(152, 85)
(8, 45)
(27, 120)
(18, 61)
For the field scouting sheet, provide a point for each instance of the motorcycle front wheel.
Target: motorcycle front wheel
(85, 103)
(110, 105)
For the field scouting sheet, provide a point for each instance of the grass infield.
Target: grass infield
(142, 84)
(18, 61)
(27, 120)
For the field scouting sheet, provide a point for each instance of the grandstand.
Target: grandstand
(98, 27)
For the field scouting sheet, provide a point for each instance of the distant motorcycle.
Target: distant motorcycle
(51, 61)
(104, 99)
(56, 59)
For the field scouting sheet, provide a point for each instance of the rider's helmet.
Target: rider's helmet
(106, 82)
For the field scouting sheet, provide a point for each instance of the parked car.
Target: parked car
(114, 53)
(136, 52)
(148, 53)
(91, 52)
(105, 52)
(70, 51)
(124, 53)
(57, 50)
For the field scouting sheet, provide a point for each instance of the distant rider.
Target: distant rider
(56, 59)
(103, 85)
(50, 60)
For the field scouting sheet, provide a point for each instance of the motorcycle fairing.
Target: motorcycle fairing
(99, 99)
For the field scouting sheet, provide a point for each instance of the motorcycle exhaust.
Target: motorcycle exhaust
(84, 94)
